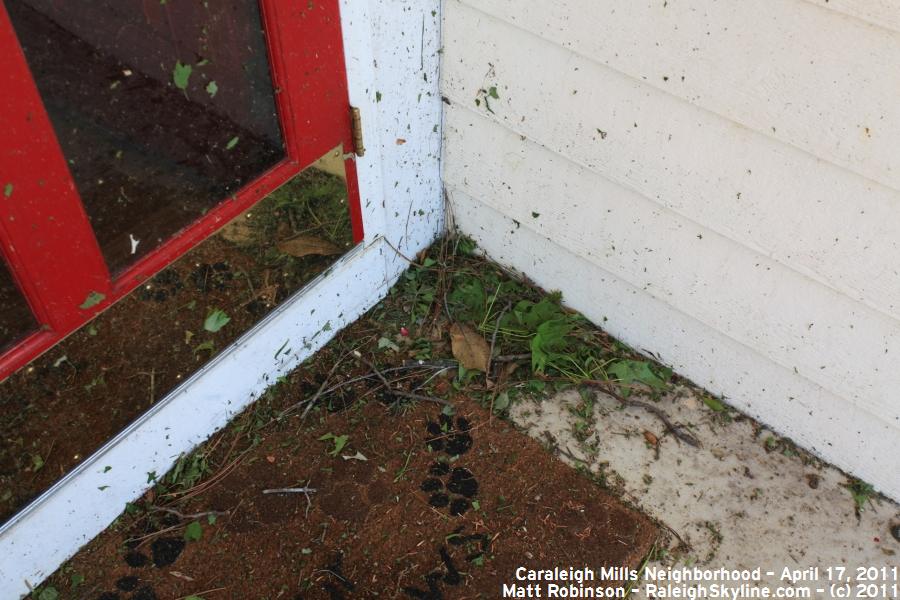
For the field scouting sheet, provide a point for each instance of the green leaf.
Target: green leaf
(501, 402)
(193, 532)
(384, 342)
(37, 463)
(8, 190)
(216, 320)
(232, 143)
(76, 579)
(549, 340)
(469, 298)
(193, 597)
(377, 96)
(92, 300)
(181, 74)
(212, 88)
(493, 93)
(211, 519)
(629, 371)
(48, 593)
(339, 442)
(713, 403)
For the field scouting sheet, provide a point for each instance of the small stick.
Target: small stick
(306, 491)
(184, 517)
(315, 396)
(512, 357)
(609, 388)
(413, 396)
(494, 336)
(396, 392)
(218, 589)
(297, 490)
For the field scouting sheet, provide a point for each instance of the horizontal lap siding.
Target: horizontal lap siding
(852, 439)
(883, 13)
(783, 242)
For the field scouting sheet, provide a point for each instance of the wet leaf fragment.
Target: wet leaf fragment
(181, 74)
(216, 320)
(305, 245)
(92, 300)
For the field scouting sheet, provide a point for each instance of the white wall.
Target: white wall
(718, 182)
(391, 46)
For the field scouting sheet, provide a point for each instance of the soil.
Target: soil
(16, 319)
(67, 403)
(121, 124)
(416, 503)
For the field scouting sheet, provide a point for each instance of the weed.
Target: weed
(862, 493)
(339, 441)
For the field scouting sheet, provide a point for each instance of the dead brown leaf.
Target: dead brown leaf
(239, 231)
(651, 438)
(305, 245)
(468, 347)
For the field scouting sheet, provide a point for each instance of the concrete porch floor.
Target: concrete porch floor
(745, 499)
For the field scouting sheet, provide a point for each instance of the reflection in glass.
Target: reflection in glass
(162, 109)
(16, 319)
(79, 394)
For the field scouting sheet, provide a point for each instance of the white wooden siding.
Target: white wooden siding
(744, 197)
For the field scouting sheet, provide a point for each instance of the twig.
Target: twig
(391, 390)
(420, 397)
(494, 336)
(358, 355)
(297, 490)
(440, 363)
(305, 490)
(675, 430)
(311, 401)
(218, 589)
(512, 357)
(609, 388)
(401, 255)
(184, 517)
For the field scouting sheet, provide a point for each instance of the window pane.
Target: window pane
(162, 109)
(16, 319)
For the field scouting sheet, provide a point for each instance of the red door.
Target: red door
(136, 128)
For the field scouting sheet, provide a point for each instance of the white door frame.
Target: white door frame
(391, 49)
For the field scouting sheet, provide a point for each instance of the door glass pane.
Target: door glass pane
(70, 401)
(162, 109)
(16, 319)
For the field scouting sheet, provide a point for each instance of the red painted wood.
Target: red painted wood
(44, 233)
(46, 236)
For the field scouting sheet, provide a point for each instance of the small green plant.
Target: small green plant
(46, 593)
(862, 493)
(339, 441)
(193, 532)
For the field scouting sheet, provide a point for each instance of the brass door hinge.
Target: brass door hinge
(356, 130)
